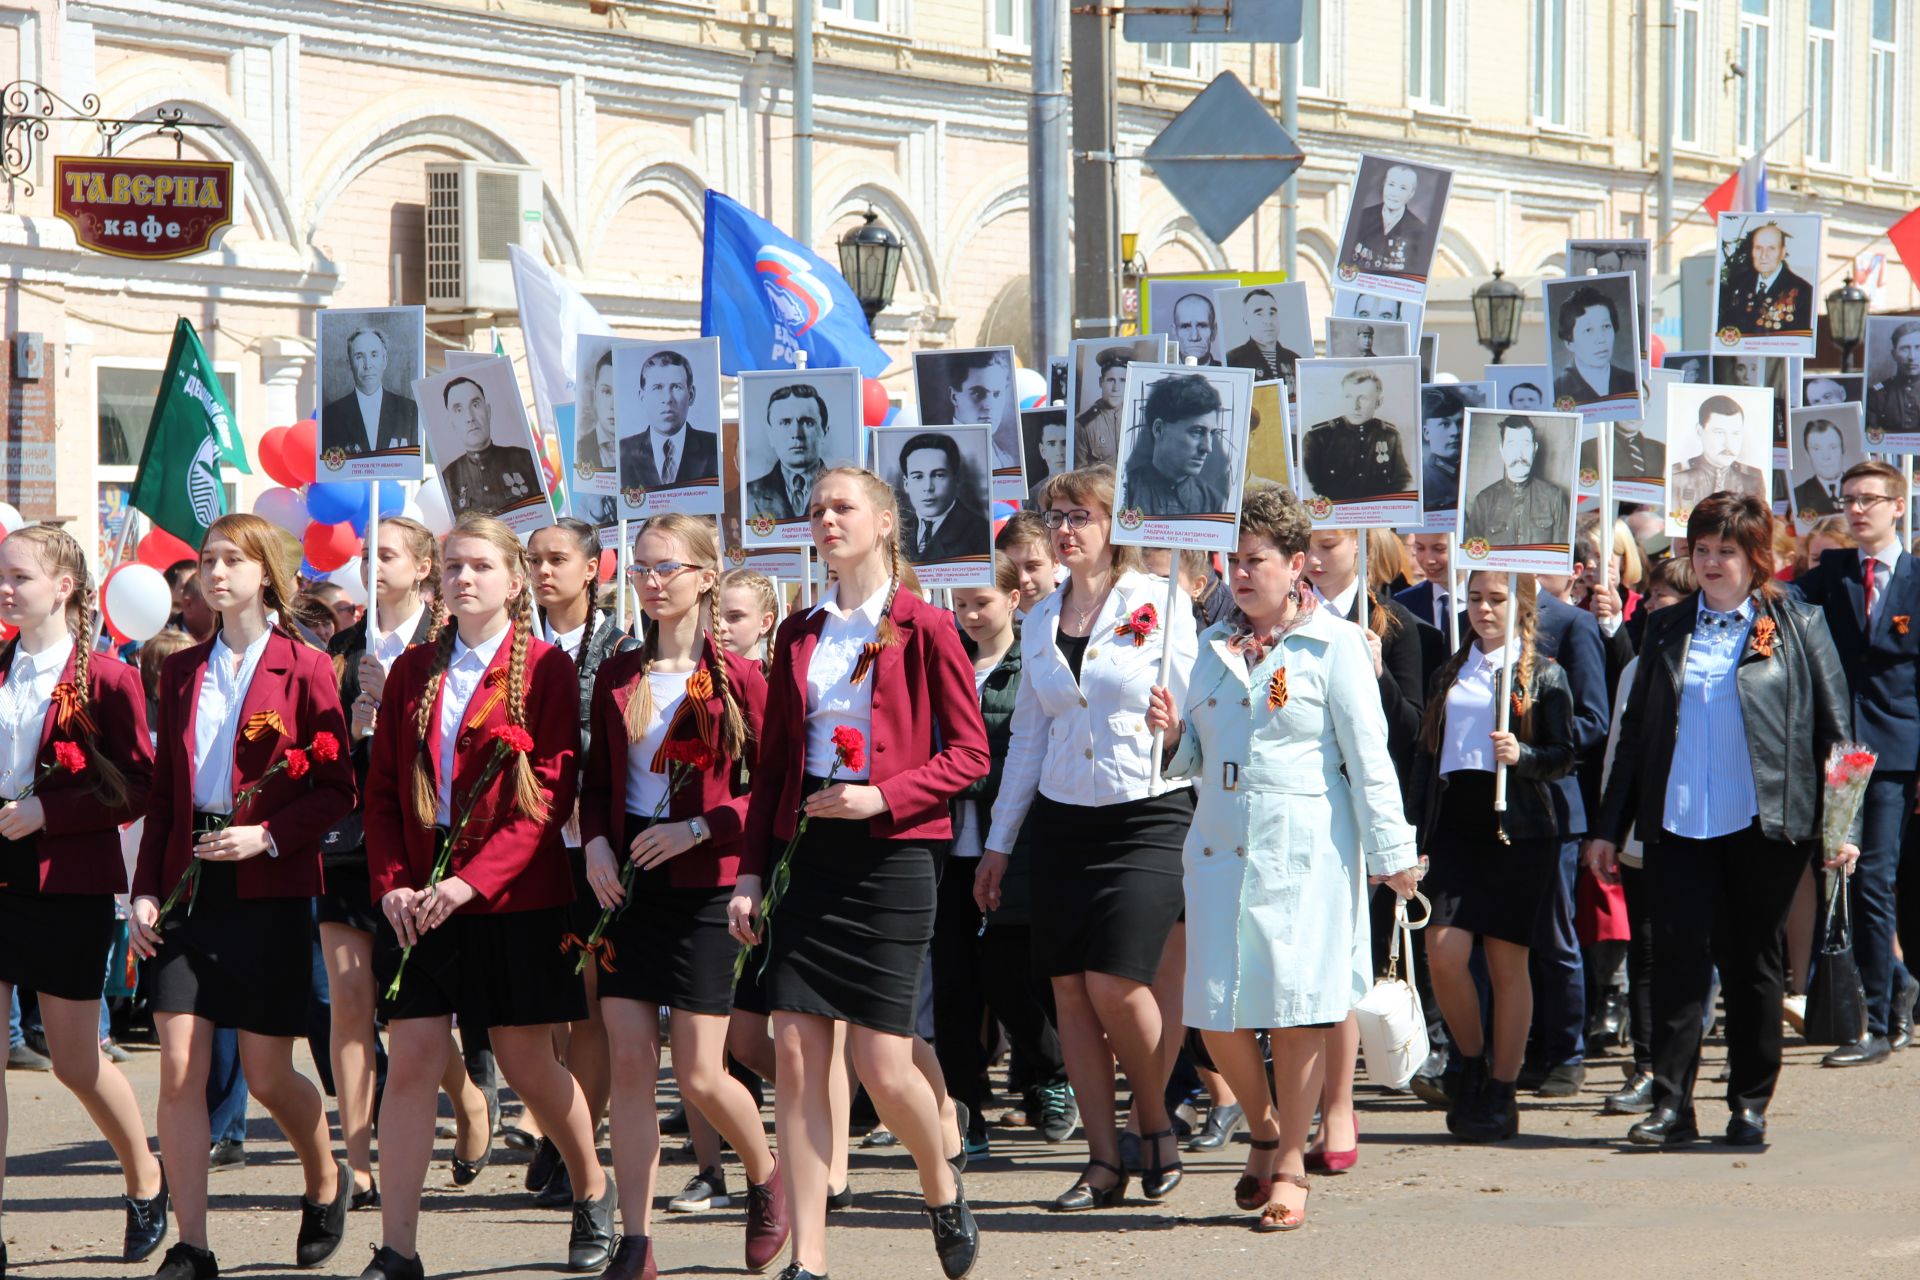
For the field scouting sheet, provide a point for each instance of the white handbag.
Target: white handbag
(1393, 1026)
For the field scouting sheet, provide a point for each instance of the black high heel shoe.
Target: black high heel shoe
(1160, 1179)
(1084, 1195)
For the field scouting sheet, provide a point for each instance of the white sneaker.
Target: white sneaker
(705, 1190)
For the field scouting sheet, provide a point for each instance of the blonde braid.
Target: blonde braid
(733, 725)
(526, 787)
(640, 701)
(887, 633)
(439, 623)
(109, 784)
(425, 801)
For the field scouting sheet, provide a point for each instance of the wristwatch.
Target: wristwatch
(699, 828)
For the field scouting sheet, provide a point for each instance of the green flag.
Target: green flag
(191, 432)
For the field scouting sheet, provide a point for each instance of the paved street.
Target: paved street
(1839, 1191)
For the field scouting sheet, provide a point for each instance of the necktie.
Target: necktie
(1833, 493)
(666, 462)
(926, 536)
(1872, 564)
(797, 492)
(1440, 607)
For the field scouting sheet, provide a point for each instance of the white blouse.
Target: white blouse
(645, 787)
(23, 712)
(216, 720)
(1470, 717)
(832, 697)
(466, 671)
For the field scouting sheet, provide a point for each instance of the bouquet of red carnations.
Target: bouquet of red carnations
(1849, 765)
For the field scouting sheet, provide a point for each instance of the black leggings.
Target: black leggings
(1633, 883)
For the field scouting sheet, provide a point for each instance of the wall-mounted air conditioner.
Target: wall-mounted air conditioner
(474, 211)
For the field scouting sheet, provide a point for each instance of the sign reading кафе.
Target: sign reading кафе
(143, 208)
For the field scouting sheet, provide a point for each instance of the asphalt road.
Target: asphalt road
(1837, 1192)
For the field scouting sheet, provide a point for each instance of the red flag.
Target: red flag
(1721, 199)
(1905, 235)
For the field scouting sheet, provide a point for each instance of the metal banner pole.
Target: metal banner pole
(1503, 706)
(1453, 595)
(1363, 608)
(370, 556)
(1906, 469)
(623, 569)
(1166, 654)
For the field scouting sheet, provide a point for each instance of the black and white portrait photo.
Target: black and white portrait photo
(1044, 445)
(1524, 387)
(1517, 491)
(1826, 387)
(786, 564)
(1355, 305)
(1764, 294)
(1443, 421)
(1893, 383)
(369, 420)
(1691, 366)
(974, 387)
(1270, 435)
(668, 398)
(1393, 224)
(1185, 313)
(1360, 460)
(1593, 346)
(1719, 438)
(1610, 257)
(1183, 455)
(1351, 339)
(1264, 327)
(1096, 388)
(794, 424)
(940, 479)
(1777, 374)
(483, 445)
(1824, 440)
(1637, 457)
(596, 438)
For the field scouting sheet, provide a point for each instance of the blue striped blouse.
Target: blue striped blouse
(1710, 787)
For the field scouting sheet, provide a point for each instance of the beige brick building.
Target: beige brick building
(1548, 110)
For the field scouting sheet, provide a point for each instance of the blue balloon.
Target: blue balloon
(393, 499)
(338, 501)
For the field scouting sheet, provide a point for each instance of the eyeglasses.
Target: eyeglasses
(1078, 518)
(663, 572)
(1862, 501)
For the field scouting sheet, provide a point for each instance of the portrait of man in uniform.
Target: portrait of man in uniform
(666, 452)
(1043, 435)
(1523, 507)
(1723, 428)
(1263, 351)
(1760, 295)
(1097, 427)
(1356, 455)
(942, 516)
(1893, 374)
(1391, 223)
(487, 477)
(1169, 471)
(1443, 412)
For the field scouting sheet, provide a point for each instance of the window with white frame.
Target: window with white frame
(1823, 46)
(1013, 21)
(1550, 61)
(124, 392)
(1427, 38)
(1883, 88)
(1688, 21)
(1313, 65)
(867, 11)
(1753, 56)
(1169, 57)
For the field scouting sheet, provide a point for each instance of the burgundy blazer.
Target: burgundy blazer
(719, 795)
(295, 682)
(79, 846)
(929, 741)
(513, 862)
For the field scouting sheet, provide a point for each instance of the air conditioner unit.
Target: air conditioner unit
(474, 212)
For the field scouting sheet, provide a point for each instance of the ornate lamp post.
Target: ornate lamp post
(870, 260)
(1497, 307)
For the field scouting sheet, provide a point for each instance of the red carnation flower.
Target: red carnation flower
(326, 747)
(297, 763)
(691, 752)
(1861, 761)
(70, 757)
(514, 737)
(851, 747)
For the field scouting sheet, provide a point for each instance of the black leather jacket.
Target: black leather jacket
(1794, 705)
(1545, 756)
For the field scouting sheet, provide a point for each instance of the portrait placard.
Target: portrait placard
(1097, 389)
(594, 459)
(1359, 458)
(1270, 435)
(667, 398)
(1393, 225)
(1351, 339)
(369, 420)
(1443, 420)
(1763, 299)
(974, 387)
(1718, 438)
(794, 424)
(1640, 449)
(1517, 491)
(1606, 257)
(785, 564)
(1690, 366)
(1521, 387)
(1265, 328)
(1826, 387)
(1780, 374)
(1893, 384)
(483, 445)
(941, 478)
(1183, 456)
(1824, 440)
(602, 510)
(1186, 313)
(1352, 304)
(1593, 346)
(1043, 445)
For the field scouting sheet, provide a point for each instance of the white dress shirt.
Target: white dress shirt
(567, 642)
(216, 720)
(832, 697)
(23, 711)
(1343, 602)
(1470, 718)
(465, 671)
(391, 644)
(370, 414)
(644, 786)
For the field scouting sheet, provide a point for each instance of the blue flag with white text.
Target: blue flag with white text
(766, 296)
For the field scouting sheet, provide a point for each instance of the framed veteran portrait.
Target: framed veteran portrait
(974, 387)
(1593, 346)
(668, 409)
(1264, 327)
(1186, 314)
(1354, 339)
(1359, 460)
(1764, 295)
(1351, 304)
(1517, 491)
(787, 564)
(1522, 387)
(1610, 257)
(794, 424)
(595, 456)
(1270, 435)
(1183, 456)
(1096, 392)
(483, 445)
(1824, 440)
(369, 420)
(1826, 387)
(1719, 439)
(1043, 444)
(1893, 384)
(1443, 421)
(1393, 225)
(940, 478)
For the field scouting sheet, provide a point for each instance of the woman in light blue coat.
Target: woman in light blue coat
(1286, 743)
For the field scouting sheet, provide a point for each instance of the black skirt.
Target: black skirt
(670, 946)
(348, 897)
(1475, 882)
(849, 939)
(56, 944)
(508, 970)
(244, 963)
(1107, 884)
(584, 911)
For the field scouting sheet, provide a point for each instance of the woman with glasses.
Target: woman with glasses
(1738, 697)
(1080, 783)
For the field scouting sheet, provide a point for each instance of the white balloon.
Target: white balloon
(138, 601)
(10, 517)
(411, 510)
(351, 578)
(1028, 383)
(434, 512)
(284, 508)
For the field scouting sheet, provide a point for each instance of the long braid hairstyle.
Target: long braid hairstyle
(60, 553)
(702, 547)
(423, 546)
(1433, 726)
(883, 498)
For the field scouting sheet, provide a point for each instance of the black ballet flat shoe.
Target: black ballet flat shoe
(466, 1172)
(841, 1199)
(1747, 1128)
(1083, 1195)
(389, 1265)
(956, 1237)
(962, 1117)
(546, 1158)
(558, 1193)
(1667, 1126)
(368, 1199)
(186, 1262)
(1159, 1180)
(590, 1247)
(794, 1271)
(146, 1226)
(324, 1226)
(632, 1260)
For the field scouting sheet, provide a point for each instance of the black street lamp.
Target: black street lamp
(1497, 307)
(1847, 320)
(870, 260)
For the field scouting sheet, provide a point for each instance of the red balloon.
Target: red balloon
(1658, 351)
(328, 546)
(270, 454)
(297, 452)
(162, 550)
(873, 402)
(609, 564)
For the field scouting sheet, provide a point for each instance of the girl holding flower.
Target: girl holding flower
(75, 763)
(248, 775)
(676, 726)
(472, 775)
(871, 729)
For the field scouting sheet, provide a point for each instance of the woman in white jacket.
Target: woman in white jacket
(1298, 803)
(1106, 832)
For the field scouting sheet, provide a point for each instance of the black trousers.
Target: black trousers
(1633, 883)
(1722, 901)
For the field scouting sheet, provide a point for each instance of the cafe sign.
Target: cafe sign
(143, 208)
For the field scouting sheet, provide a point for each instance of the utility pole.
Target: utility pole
(1666, 136)
(1096, 237)
(803, 122)
(1290, 189)
(1047, 246)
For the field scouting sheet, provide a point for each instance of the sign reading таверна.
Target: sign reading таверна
(143, 208)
